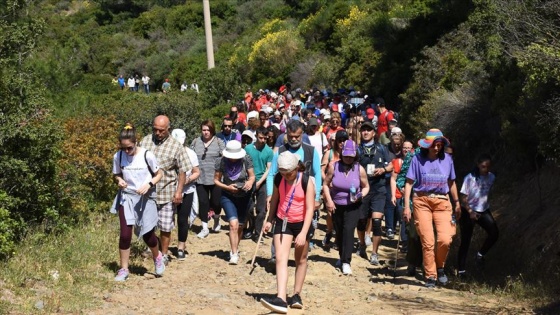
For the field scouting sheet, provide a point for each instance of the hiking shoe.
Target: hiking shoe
(404, 248)
(296, 302)
(327, 240)
(390, 234)
(203, 233)
(441, 277)
(217, 225)
(275, 304)
(462, 275)
(272, 261)
(338, 263)
(374, 260)
(346, 270)
(181, 255)
(166, 259)
(122, 275)
(247, 235)
(311, 246)
(411, 271)
(233, 258)
(479, 261)
(362, 251)
(159, 264)
(368, 240)
(430, 283)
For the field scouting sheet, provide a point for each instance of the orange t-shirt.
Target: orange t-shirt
(397, 163)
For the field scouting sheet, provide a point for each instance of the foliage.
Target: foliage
(84, 168)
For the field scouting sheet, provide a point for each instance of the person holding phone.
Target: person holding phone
(235, 176)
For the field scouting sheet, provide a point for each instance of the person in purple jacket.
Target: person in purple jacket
(345, 184)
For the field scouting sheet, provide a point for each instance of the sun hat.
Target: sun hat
(179, 135)
(233, 150)
(287, 161)
(349, 148)
(431, 136)
(250, 134)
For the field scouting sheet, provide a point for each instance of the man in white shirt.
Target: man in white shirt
(146, 83)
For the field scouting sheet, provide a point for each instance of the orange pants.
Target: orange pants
(429, 212)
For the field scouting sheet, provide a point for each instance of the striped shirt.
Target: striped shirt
(172, 158)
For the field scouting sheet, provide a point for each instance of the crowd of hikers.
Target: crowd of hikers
(279, 160)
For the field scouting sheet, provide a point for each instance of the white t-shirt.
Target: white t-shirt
(145, 80)
(190, 188)
(315, 141)
(131, 82)
(134, 168)
(477, 191)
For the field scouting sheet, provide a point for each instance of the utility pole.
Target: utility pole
(208, 32)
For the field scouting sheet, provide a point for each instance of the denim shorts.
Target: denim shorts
(236, 208)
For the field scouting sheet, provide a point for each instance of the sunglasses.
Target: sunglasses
(204, 154)
(126, 149)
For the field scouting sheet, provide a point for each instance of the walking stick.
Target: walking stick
(397, 253)
(258, 243)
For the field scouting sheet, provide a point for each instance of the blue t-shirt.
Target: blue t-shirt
(316, 170)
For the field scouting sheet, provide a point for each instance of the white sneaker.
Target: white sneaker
(203, 233)
(346, 270)
(233, 258)
(368, 240)
(217, 225)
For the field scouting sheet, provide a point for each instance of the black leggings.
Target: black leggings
(487, 222)
(183, 214)
(345, 220)
(125, 237)
(208, 197)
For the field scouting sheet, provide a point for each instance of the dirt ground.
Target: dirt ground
(205, 283)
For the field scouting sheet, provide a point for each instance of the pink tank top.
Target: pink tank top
(296, 212)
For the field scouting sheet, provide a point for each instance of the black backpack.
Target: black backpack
(145, 159)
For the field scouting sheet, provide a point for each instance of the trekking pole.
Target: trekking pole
(397, 253)
(258, 243)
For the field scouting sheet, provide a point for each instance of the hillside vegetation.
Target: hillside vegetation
(486, 72)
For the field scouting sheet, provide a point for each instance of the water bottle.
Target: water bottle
(353, 197)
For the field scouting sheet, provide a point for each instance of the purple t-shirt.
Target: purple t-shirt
(431, 176)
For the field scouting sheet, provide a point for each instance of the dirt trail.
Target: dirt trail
(205, 284)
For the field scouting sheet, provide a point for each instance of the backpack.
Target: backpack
(304, 180)
(401, 177)
(308, 152)
(396, 116)
(145, 159)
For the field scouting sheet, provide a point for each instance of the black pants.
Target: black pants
(208, 197)
(183, 214)
(487, 222)
(257, 221)
(345, 220)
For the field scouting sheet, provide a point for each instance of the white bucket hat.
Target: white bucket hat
(233, 150)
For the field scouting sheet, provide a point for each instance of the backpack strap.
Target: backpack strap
(148, 165)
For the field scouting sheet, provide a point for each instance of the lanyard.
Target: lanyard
(292, 196)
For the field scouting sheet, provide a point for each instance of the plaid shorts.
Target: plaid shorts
(166, 221)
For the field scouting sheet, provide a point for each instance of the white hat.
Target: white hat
(326, 116)
(250, 134)
(179, 135)
(252, 114)
(323, 111)
(297, 103)
(287, 161)
(233, 150)
(396, 130)
(277, 113)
